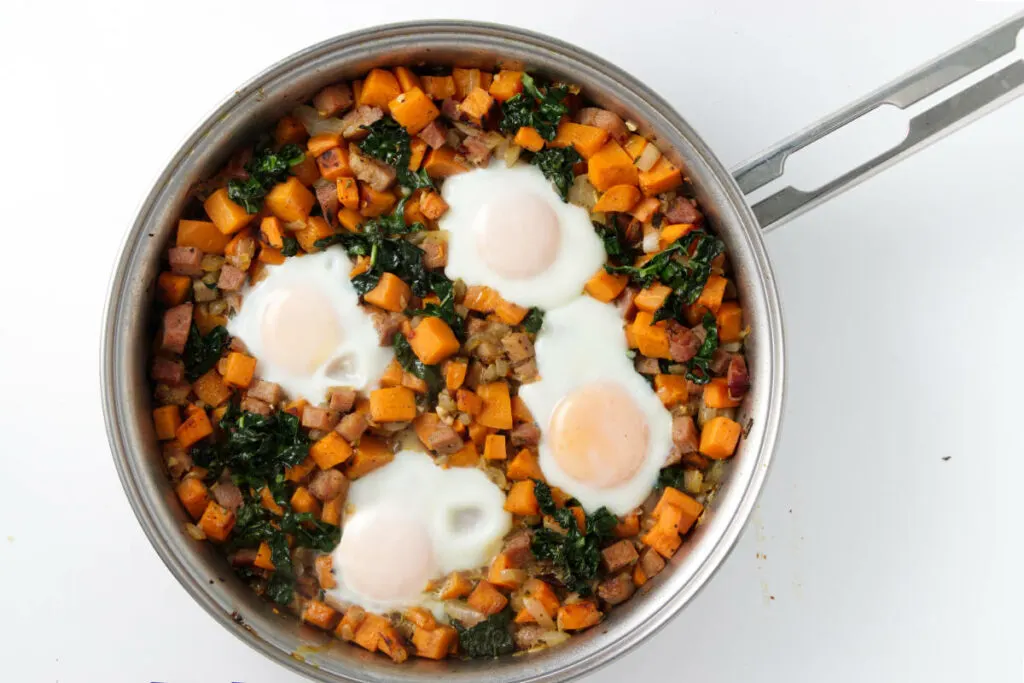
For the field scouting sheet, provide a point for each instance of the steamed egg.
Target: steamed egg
(509, 230)
(304, 324)
(604, 432)
(410, 522)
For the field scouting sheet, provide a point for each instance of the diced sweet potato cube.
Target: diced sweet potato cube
(611, 166)
(225, 214)
(487, 599)
(290, 200)
(413, 110)
(330, 451)
(217, 522)
(433, 340)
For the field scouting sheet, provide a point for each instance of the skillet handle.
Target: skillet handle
(959, 109)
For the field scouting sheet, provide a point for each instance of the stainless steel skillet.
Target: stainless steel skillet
(257, 104)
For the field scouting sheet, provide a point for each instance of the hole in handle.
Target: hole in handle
(859, 141)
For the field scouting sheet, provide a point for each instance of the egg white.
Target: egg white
(357, 361)
(580, 251)
(583, 343)
(461, 509)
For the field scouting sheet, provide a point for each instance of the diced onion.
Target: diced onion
(211, 263)
(630, 126)
(539, 614)
(648, 157)
(693, 480)
(466, 129)
(705, 413)
(314, 125)
(582, 192)
(732, 347)
(516, 576)
(195, 532)
(552, 638)
(651, 242)
(496, 476)
(463, 613)
(492, 139)
(512, 154)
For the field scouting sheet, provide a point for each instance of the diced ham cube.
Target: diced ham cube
(319, 418)
(352, 426)
(353, 122)
(185, 261)
(517, 346)
(602, 118)
(228, 495)
(167, 371)
(376, 174)
(435, 134)
(683, 343)
(254, 405)
(231, 279)
(684, 434)
(434, 255)
(177, 323)
(444, 439)
(268, 392)
(617, 589)
(327, 197)
(328, 484)
(342, 399)
(526, 434)
(333, 99)
(619, 556)
(681, 210)
(738, 378)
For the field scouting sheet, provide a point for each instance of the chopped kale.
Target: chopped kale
(556, 164)
(387, 254)
(203, 352)
(266, 169)
(281, 585)
(254, 524)
(534, 320)
(490, 638)
(413, 180)
(255, 448)
(540, 110)
(386, 140)
(290, 247)
(389, 142)
(671, 476)
(576, 556)
(684, 272)
(615, 243)
(444, 289)
(698, 368)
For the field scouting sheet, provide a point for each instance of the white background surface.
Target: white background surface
(870, 557)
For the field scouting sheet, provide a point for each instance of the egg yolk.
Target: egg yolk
(598, 435)
(385, 555)
(517, 234)
(300, 329)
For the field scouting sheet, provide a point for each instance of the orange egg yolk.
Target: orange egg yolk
(598, 435)
(517, 235)
(300, 329)
(386, 555)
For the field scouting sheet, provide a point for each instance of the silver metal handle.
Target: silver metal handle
(925, 128)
